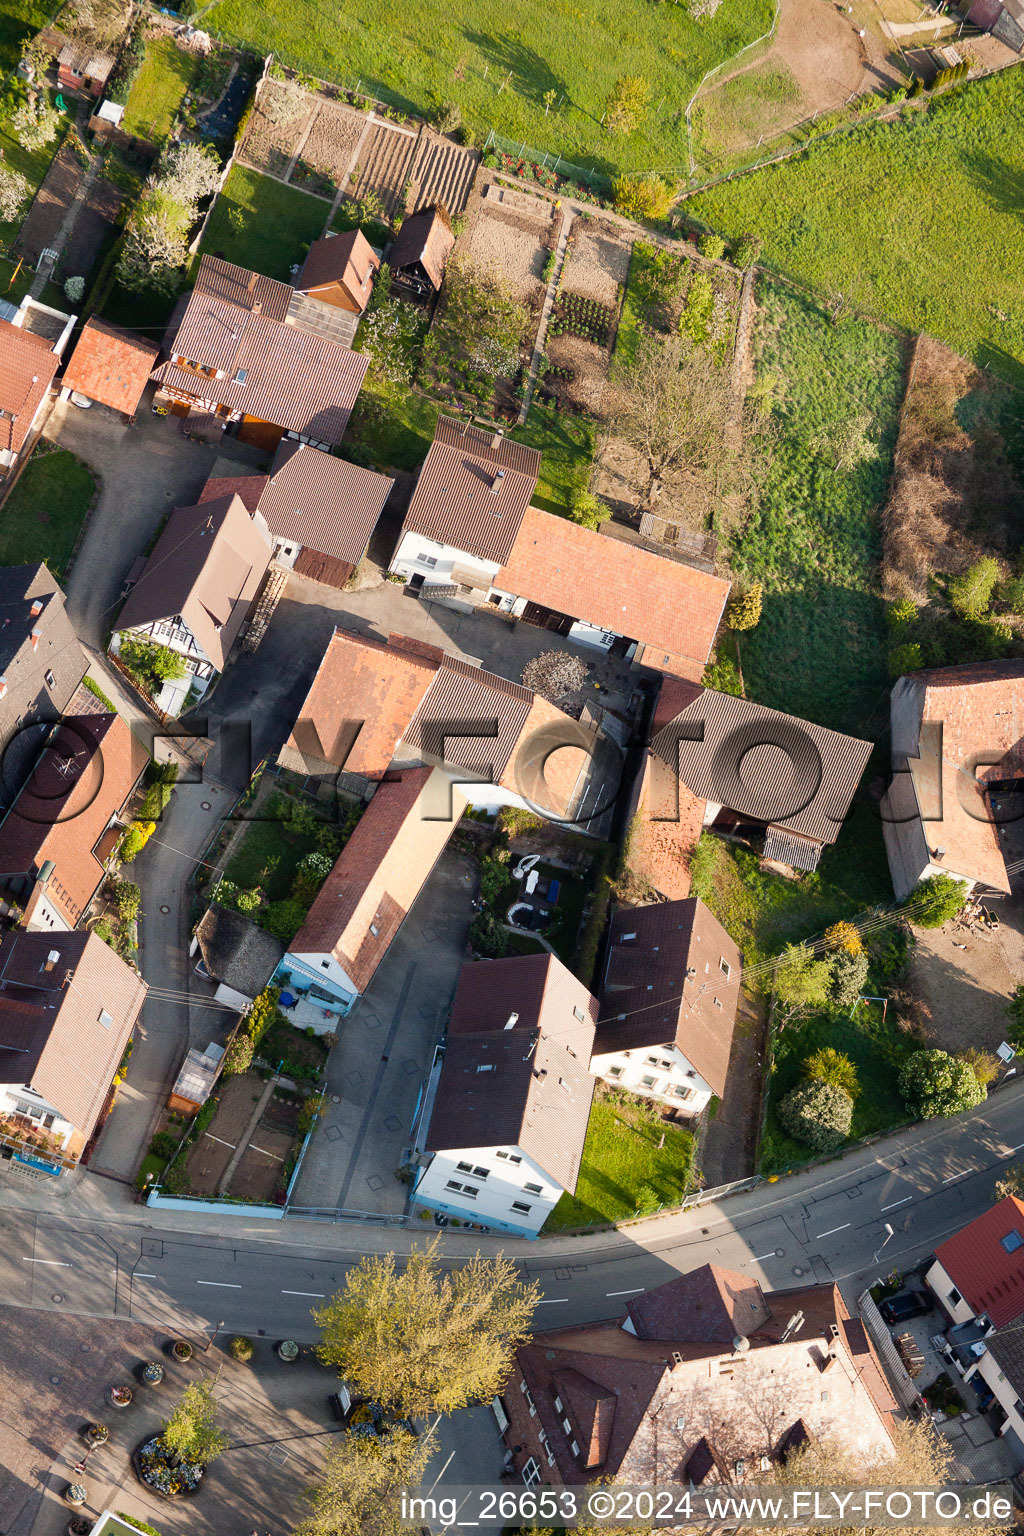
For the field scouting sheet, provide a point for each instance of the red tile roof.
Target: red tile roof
(671, 609)
(473, 490)
(987, 1276)
(27, 367)
(346, 259)
(111, 366)
(248, 489)
(82, 780)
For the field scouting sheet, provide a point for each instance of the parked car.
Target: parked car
(904, 1305)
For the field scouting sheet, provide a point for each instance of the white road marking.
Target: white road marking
(221, 1140)
(760, 1257)
(632, 1292)
(551, 1301)
(55, 1263)
(224, 1285)
(144, 1277)
(959, 1175)
(833, 1230)
(319, 1294)
(895, 1203)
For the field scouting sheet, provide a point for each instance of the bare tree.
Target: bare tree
(554, 674)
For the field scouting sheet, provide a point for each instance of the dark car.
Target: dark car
(904, 1305)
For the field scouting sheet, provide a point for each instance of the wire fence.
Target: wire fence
(557, 164)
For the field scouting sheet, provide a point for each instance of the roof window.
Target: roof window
(1012, 1241)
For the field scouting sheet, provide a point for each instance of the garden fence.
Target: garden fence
(547, 161)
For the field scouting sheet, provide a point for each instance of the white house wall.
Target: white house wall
(500, 1186)
(628, 1069)
(13, 1094)
(435, 561)
(317, 970)
(948, 1295)
(46, 918)
(1004, 1393)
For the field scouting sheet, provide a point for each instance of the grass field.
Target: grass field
(262, 224)
(268, 855)
(33, 165)
(43, 516)
(624, 1171)
(819, 650)
(419, 54)
(885, 215)
(164, 78)
(19, 20)
(758, 101)
(566, 444)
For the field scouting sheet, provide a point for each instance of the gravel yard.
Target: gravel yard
(510, 254)
(598, 262)
(267, 145)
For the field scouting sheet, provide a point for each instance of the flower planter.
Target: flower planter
(75, 1494)
(155, 1472)
(97, 1434)
(181, 1349)
(79, 1525)
(152, 1373)
(121, 1397)
(288, 1349)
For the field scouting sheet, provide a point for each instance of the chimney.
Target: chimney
(513, 1020)
(496, 439)
(51, 959)
(497, 481)
(3, 687)
(36, 609)
(35, 637)
(827, 1362)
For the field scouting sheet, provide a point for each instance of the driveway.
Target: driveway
(385, 1047)
(143, 471)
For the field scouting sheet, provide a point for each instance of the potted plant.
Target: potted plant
(288, 1349)
(181, 1349)
(152, 1373)
(97, 1434)
(121, 1396)
(76, 1493)
(79, 1525)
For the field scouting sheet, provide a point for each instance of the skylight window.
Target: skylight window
(1012, 1241)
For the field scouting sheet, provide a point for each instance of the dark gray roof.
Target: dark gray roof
(236, 952)
(1006, 1346)
(25, 663)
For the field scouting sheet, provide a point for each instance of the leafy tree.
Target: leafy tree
(14, 190)
(494, 880)
(849, 977)
(284, 918)
(934, 900)
(904, 659)
(712, 246)
(74, 289)
(238, 1056)
(817, 1113)
(391, 335)
(746, 250)
(628, 103)
(970, 595)
(1011, 595)
(933, 1083)
(423, 1340)
(643, 197)
(127, 899)
(135, 839)
(1011, 1183)
(358, 1492)
(843, 935)
(983, 1064)
(187, 173)
(588, 510)
(191, 1433)
(488, 936)
(831, 1066)
(801, 981)
(35, 126)
(155, 250)
(150, 663)
(901, 615)
(263, 1012)
(744, 610)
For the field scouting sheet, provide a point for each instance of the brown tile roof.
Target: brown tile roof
(207, 566)
(362, 681)
(27, 367)
(539, 1094)
(82, 780)
(290, 376)
(32, 645)
(110, 365)
(347, 259)
(462, 699)
(323, 503)
(980, 709)
(425, 237)
(734, 751)
(248, 488)
(710, 1305)
(671, 609)
(378, 875)
(591, 1410)
(651, 951)
(52, 1034)
(987, 1276)
(459, 498)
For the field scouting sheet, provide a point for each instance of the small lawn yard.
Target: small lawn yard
(294, 1052)
(624, 1171)
(19, 20)
(33, 164)
(877, 1049)
(269, 853)
(567, 447)
(167, 73)
(262, 224)
(392, 430)
(44, 514)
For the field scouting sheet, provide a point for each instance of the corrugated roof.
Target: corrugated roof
(322, 502)
(763, 764)
(234, 324)
(110, 365)
(670, 608)
(539, 1093)
(207, 566)
(787, 848)
(650, 951)
(988, 1275)
(470, 719)
(27, 367)
(473, 490)
(425, 237)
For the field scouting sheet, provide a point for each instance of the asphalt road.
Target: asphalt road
(192, 1271)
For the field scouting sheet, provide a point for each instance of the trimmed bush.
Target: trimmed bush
(164, 1145)
(241, 1348)
(934, 900)
(933, 1084)
(818, 1114)
(831, 1066)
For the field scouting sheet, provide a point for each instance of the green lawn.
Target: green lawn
(268, 855)
(737, 113)
(567, 445)
(919, 220)
(262, 224)
(44, 514)
(763, 912)
(421, 52)
(390, 431)
(19, 20)
(167, 73)
(33, 165)
(813, 540)
(624, 1171)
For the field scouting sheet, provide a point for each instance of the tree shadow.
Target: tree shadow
(531, 74)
